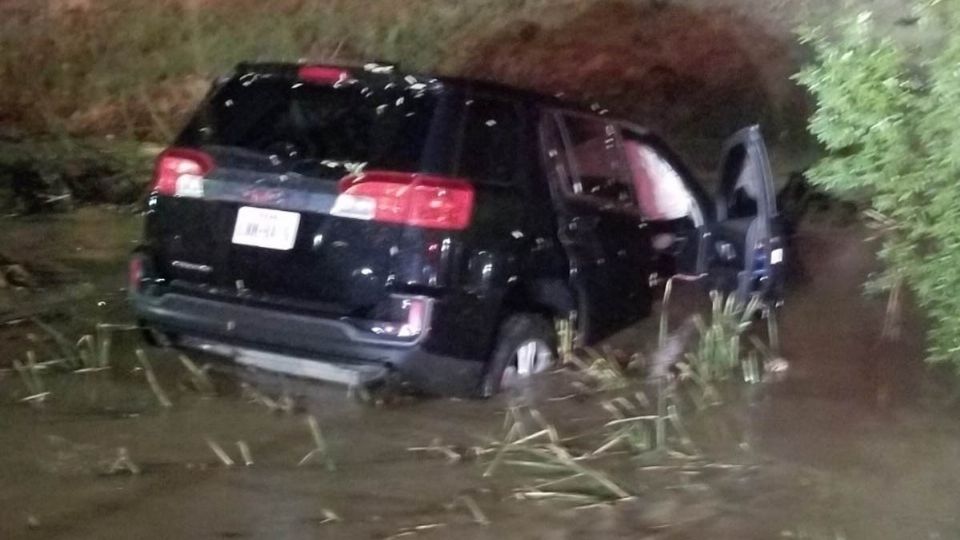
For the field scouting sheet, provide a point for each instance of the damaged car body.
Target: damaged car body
(355, 223)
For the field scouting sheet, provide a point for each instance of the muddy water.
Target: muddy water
(842, 448)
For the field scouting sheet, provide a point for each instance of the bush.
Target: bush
(889, 122)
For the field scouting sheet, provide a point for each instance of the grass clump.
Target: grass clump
(719, 353)
(152, 380)
(601, 371)
(123, 464)
(32, 380)
(198, 377)
(562, 471)
(89, 353)
(320, 448)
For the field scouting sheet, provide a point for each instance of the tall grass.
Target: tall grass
(81, 87)
(31, 378)
(562, 472)
(89, 353)
(648, 414)
(720, 353)
(132, 68)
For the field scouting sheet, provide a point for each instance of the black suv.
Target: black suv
(355, 223)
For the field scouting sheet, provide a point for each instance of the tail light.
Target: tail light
(322, 74)
(179, 172)
(419, 200)
(135, 274)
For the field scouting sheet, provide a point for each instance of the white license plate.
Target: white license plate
(261, 227)
(776, 256)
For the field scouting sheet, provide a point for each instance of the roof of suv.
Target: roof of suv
(378, 69)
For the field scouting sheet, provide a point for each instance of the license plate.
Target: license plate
(261, 227)
(776, 256)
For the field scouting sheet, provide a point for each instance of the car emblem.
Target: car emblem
(263, 195)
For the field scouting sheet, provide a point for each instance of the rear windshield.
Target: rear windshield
(312, 128)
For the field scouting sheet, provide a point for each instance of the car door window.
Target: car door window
(743, 197)
(662, 194)
(596, 162)
(491, 141)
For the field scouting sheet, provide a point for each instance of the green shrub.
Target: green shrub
(888, 118)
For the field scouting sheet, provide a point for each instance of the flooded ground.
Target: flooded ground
(846, 446)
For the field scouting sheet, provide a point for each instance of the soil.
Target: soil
(843, 447)
(695, 71)
(691, 73)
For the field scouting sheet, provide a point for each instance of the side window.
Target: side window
(596, 161)
(661, 192)
(492, 140)
(740, 184)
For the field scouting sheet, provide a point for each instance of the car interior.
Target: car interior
(666, 203)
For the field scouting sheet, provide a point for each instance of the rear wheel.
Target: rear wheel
(526, 346)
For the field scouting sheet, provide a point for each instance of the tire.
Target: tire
(520, 337)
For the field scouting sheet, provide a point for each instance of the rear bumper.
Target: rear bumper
(306, 338)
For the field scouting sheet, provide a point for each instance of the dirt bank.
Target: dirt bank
(693, 73)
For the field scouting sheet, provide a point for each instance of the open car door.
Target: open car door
(747, 254)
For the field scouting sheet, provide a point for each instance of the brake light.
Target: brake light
(179, 172)
(322, 74)
(420, 200)
(135, 274)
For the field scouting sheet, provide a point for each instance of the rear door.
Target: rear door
(747, 251)
(599, 225)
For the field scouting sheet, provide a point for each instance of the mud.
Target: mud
(846, 446)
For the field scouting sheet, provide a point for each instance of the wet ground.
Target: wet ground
(848, 445)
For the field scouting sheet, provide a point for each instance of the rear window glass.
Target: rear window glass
(301, 125)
